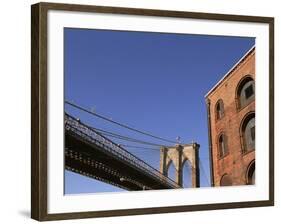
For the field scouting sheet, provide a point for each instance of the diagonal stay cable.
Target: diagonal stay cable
(128, 139)
(139, 147)
(122, 137)
(112, 134)
(117, 123)
(204, 173)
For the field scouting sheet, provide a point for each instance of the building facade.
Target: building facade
(231, 123)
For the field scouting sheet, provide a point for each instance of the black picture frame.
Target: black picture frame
(39, 106)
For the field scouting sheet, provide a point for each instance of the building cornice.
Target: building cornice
(230, 71)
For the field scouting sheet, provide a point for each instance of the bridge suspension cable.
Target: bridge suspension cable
(117, 123)
(122, 137)
(129, 139)
(139, 147)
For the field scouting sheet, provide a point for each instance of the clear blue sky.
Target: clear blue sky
(153, 82)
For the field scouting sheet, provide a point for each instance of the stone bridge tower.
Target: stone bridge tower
(178, 155)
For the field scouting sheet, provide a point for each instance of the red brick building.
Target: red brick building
(231, 123)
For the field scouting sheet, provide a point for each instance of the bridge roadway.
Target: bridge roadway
(89, 153)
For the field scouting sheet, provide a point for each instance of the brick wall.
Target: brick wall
(236, 162)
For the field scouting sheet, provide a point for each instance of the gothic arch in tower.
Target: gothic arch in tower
(178, 155)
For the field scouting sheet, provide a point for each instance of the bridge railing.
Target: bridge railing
(89, 134)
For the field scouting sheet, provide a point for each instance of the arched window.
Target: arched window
(219, 109)
(222, 145)
(245, 92)
(248, 133)
(251, 173)
(225, 180)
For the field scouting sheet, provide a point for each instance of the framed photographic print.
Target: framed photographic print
(141, 111)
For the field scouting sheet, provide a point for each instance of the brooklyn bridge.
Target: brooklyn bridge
(90, 153)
